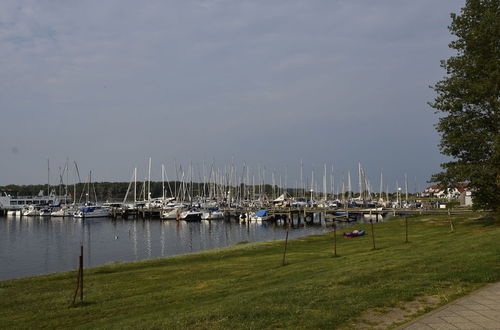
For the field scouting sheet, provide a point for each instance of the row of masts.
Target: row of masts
(226, 182)
(229, 184)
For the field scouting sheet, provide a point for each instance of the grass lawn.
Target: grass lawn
(245, 286)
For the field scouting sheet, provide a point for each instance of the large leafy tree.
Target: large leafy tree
(468, 102)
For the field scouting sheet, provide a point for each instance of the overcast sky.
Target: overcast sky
(109, 84)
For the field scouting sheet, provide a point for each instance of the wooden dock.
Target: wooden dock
(306, 213)
(288, 212)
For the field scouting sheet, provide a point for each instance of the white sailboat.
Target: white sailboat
(31, 210)
(191, 215)
(93, 211)
(64, 211)
(212, 214)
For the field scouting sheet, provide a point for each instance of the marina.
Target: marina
(42, 234)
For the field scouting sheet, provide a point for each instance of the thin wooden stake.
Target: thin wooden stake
(452, 227)
(406, 225)
(77, 285)
(79, 277)
(81, 273)
(335, 239)
(373, 234)
(286, 244)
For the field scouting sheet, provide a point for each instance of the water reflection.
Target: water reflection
(31, 246)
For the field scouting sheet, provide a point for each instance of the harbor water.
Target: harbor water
(36, 245)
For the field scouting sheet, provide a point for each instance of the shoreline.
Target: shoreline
(245, 285)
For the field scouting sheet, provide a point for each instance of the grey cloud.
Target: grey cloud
(260, 81)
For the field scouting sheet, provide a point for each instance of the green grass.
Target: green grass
(245, 286)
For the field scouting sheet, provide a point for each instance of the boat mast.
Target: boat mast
(301, 180)
(406, 189)
(48, 178)
(74, 186)
(88, 188)
(286, 182)
(324, 184)
(349, 188)
(360, 184)
(381, 182)
(343, 193)
(312, 185)
(149, 180)
(67, 181)
(135, 186)
(163, 182)
(332, 183)
(397, 194)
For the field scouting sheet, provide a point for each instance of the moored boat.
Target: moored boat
(260, 215)
(30, 211)
(45, 211)
(63, 212)
(92, 212)
(212, 214)
(191, 215)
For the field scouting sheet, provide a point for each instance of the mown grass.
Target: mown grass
(245, 286)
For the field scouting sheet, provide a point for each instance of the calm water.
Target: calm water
(33, 245)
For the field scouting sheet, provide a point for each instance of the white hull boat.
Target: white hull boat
(31, 211)
(215, 215)
(171, 214)
(191, 215)
(260, 216)
(64, 212)
(93, 212)
(45, 212)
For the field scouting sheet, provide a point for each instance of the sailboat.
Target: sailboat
(212, 214)
(92, 211)
(65, 211)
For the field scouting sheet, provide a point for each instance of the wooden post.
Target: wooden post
(373, 233)
(81, 273)
(406, 229)
(286, 244)
(77, 285)
(452, 227)
(79, 277)
(334, 239)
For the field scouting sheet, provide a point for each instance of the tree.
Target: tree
(468, 102)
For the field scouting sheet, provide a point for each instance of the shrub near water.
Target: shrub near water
(245, 286)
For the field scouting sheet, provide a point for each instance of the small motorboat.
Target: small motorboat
(260, 216)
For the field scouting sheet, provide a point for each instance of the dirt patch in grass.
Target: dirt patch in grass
(390, 317)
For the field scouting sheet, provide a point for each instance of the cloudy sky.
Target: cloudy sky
(109, 84)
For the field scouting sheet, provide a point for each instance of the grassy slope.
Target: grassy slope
(245, 286)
